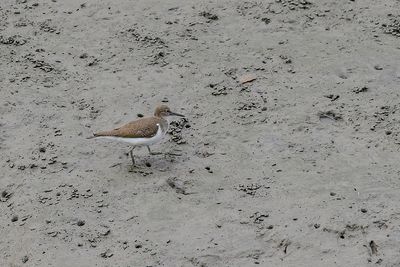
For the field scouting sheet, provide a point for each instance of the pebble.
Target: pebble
(266, 20)
(105, 232)
(209, 169)
(24, 259)
(106, 254)
(363, 210)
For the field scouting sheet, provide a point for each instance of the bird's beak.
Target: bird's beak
(175, 114)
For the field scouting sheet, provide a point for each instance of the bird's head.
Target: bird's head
(165, 111)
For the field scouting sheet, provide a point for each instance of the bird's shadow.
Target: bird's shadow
(147, 165)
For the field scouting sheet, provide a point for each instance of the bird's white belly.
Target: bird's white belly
(138, 141)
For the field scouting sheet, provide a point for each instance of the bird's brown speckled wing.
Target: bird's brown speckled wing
(142, 128)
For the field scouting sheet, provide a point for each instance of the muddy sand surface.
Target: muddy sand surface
(288, 156)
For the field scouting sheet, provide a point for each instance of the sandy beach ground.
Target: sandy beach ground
(288, 156)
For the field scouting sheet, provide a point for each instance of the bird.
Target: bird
(142, 132)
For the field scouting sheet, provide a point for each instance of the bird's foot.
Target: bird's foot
(153, 153)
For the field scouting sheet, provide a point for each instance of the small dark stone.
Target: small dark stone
(332, 97)
(209, 16)
(148, 164)
(80, 223)
(42, 149)
(106, 254)
(341, 235)
(5, 194)
(33, 165)
(333, 194)
(388, 132)
(106, 232)
(360, 90)
(363, 210)
(24, 259)
(266, 20)
(138, 246)
(14, 218)
(374, 247)
(317, 225)
(140, 115)
(92, 63)
(177, 184)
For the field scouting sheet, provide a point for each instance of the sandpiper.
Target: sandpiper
(142, 132)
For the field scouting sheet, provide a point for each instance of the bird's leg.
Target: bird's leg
(133, 159)
(152, 153)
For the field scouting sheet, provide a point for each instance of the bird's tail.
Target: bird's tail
(94, 136)
(100, 134)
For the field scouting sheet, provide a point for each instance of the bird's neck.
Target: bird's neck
(164, 123)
